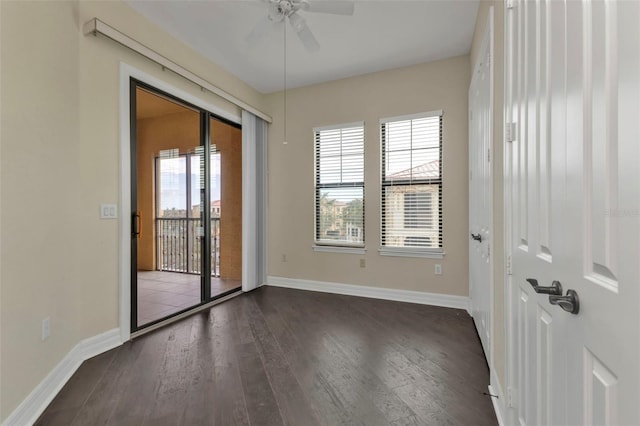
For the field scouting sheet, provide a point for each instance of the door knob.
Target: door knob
(555, 288)
(569, 303)
(476, 237)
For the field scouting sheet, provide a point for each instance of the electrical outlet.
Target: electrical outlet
(284, 257)
(363, 263)
(438, 269)
(46, 328)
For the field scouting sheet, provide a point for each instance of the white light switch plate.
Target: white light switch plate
(108, 211)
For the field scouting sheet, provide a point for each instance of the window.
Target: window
(412, 183)
(339, 192)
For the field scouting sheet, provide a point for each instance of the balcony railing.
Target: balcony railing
(179, 245)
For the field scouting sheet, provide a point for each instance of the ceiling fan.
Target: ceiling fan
(281, 10)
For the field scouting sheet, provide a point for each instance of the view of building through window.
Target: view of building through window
(179, 180)
(412, 181)
(340, 185)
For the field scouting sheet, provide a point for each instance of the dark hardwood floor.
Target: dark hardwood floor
(278, 356)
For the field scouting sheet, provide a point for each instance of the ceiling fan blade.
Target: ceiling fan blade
(305, 35)
(259, 30)
(329, 6)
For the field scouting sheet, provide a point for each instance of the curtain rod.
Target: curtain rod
(96, 26)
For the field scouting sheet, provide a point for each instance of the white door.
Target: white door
(573, 206)
(480, 189)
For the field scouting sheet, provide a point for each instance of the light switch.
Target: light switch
(108, 211)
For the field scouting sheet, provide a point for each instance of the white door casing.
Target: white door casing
(573, 210)
(480, 188)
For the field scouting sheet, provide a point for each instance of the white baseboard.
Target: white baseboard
(423, 298)
(499, 403)
(32, 407)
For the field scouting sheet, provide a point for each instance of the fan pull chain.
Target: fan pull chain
(284, 142)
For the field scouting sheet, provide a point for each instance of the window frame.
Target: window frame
(411, 251)
(322, 245)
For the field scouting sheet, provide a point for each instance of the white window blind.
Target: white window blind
(339, 189)
(411, 196)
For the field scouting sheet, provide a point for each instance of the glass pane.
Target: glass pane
(340, 155)
(172, 185)
(398, 135)
(197, 182)
(412, 149)
(426, 164)
(398, 165)
(341, 216)
(168, 201)
(330, 171)
(353, 168)
(411, 216)
(425, 133)
(226, 208)
(216, 208)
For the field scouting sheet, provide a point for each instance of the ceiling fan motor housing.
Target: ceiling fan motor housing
(281, 10)
(285, 8)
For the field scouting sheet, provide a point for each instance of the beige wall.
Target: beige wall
(228, 141)
(60, 159)
(41, 240)
(173, 131)
(498, 341)
(427, 87)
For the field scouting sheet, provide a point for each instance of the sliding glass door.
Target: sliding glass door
(177, 222)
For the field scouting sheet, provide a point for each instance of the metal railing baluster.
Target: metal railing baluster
(179, 245)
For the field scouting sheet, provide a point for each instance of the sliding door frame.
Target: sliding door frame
(127, 117)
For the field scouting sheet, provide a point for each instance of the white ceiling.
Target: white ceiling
(380, 35)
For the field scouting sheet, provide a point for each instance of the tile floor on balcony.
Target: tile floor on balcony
(161, 294)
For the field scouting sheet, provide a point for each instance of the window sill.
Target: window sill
(338, 249)
(405, 252)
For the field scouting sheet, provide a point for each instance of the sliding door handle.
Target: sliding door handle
(135, 225)
(555, 288)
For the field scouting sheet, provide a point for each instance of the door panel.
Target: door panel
(545, 358)
(574, 210)
(600, 147)
(480, 191)
(537, 156)
(603, 185)
(168, 271)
